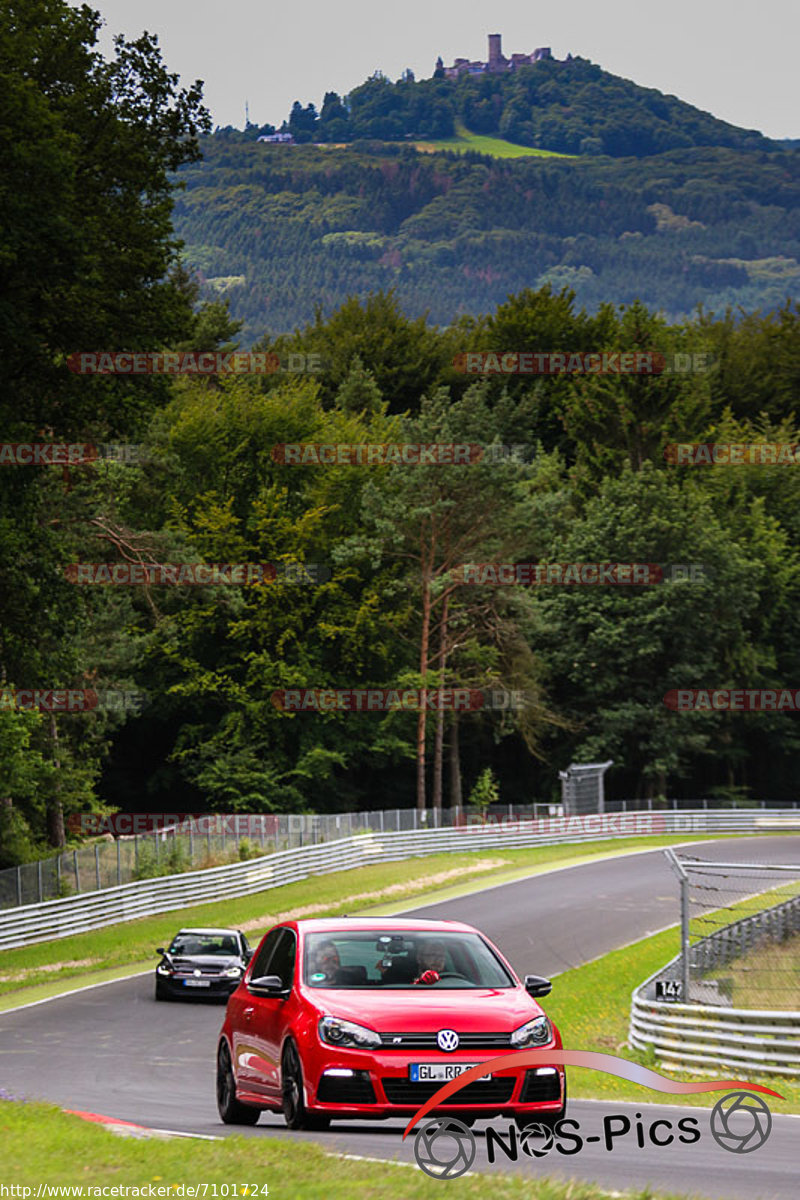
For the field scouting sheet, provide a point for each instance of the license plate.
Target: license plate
(197, 983)
(439, 1072)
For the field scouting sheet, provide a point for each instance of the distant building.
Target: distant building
(496, 64)
(286, 139)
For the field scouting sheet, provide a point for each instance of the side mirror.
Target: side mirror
(268, 985)
(537, 985)
(160, 950)
(247, 955)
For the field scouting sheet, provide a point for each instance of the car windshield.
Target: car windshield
(188, 943)
(405, 959)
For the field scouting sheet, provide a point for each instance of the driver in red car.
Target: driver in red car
(432, 961)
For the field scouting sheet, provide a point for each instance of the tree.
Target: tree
(614, 652)
(436, 519)
(89, 147)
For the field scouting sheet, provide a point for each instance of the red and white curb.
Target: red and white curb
(130, 1129)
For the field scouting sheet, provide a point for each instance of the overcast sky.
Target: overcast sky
(734, 59)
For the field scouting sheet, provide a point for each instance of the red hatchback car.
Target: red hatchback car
(366, 1018)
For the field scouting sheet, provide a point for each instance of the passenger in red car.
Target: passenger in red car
(325, 961)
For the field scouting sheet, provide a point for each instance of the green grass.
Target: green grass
(484, 144)
(591, 1006)
(767, 977)
(73, 961)
(41, 1145)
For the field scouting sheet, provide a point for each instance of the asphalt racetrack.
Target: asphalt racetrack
(113, 1050)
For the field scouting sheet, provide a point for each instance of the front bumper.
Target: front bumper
(183, 985)
(375, 1085)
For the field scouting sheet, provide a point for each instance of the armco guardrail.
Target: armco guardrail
(145, 843)
(76, 914)
(771, 925)
(699, 1038)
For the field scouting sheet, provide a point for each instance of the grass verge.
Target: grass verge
(591, 1006)
(42, 1145)
(76, 960)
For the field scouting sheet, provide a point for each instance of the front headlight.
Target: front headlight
(347, 1033)
(233, 972)
(163, 969)
(537, 1032)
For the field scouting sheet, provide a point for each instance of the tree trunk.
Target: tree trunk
(439, 740)
(55, 811)
(455, 765)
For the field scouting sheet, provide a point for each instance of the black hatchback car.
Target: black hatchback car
(202, 962)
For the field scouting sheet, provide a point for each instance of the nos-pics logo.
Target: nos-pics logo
(445, 1147)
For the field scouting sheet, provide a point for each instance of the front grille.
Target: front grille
(427, 1041)
(540, 1087)
(187, 971)
(493, 1091)
(346, 1089)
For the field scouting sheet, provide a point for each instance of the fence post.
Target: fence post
(77, 872)
(685, 936)
(119, 865)
(191, 843)
(97, 863)
(58, 874)
(39, 873)
(136, 854)
(19, 885)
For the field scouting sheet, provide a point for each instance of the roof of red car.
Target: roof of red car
(379, 924)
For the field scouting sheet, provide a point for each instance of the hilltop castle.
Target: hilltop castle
(496, 64)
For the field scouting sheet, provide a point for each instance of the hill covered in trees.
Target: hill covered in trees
(573, 107)
(277, 230)
(89, 261)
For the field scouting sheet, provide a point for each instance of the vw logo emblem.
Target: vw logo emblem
(196, 972)
(447, 1039)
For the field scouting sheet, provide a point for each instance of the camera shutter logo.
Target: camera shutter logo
(740, 1122)
(537, 1139)
(444, 1148)
(447, 1039)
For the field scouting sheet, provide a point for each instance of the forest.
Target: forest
(278, 230)
(367, 587)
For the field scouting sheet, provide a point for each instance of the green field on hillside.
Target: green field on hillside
(484, 144)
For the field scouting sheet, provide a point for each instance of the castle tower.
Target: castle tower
(495, 52)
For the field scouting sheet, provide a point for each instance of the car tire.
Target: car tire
(295, 1113)
(161, 992)
(230, 1110)
(549, 1120)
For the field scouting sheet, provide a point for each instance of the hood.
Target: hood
(427, 1010)
(223, 961)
